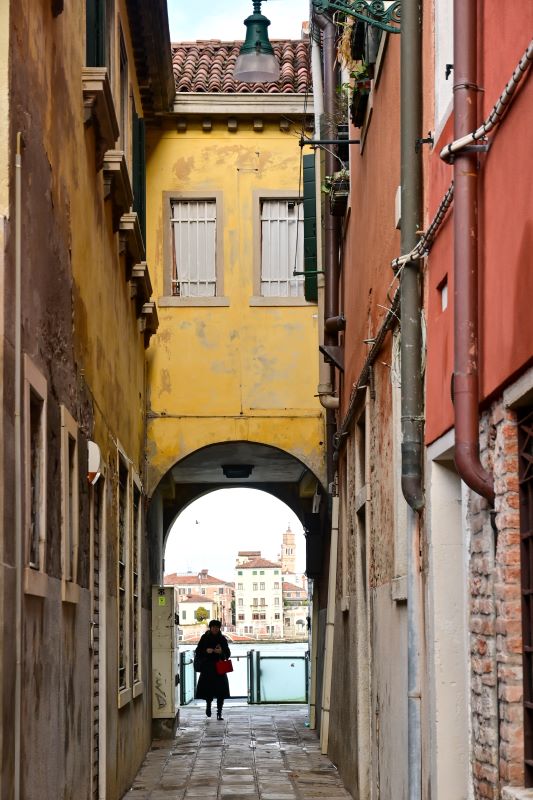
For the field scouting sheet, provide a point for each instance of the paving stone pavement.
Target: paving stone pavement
(256, 753)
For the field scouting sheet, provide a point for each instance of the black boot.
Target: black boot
(208, 708)
(219, 709)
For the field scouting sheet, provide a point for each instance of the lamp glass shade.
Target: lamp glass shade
(256, 68)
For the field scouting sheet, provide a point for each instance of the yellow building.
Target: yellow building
(76, 82)
(233, 369)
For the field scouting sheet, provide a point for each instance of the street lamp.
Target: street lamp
(256, 62)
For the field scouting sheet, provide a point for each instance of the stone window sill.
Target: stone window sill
(99, 110)
(279, 301)
(174, 302)
(70, 592)
(516, 793)
(124, 697)
(117, 184)
(35, 582)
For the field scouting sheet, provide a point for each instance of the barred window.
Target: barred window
(194, 239)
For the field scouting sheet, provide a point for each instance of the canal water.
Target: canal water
(278, 655)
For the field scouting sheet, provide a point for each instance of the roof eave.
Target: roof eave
(214, 103)
(150, 34)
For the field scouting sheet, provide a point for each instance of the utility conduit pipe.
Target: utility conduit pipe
(325, 385)
(465, 225)
(330, 627)
(498, 110)
(331, 229)
(17, 728)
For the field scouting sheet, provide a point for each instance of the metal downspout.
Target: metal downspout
(465, 225)
(330, 628)
(411, 210)
(325, 387)
(17, 732)
(331, 223)
(411, 370)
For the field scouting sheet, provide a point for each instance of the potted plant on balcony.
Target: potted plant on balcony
(361, 86)
(338, 188)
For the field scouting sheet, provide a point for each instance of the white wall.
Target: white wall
(448, 641)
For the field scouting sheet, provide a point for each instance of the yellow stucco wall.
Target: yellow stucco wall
(238, 371)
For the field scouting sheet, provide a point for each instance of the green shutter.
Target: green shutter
(310, 254)
(95, 33)
(139, 171)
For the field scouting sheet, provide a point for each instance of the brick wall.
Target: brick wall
(495, 621)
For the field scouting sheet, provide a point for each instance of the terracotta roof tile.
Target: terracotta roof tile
(292, 587)
(195, 598)
(207, 66)
(192, 580)
(258, 563)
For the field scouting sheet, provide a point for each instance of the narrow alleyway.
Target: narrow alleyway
(261, 752)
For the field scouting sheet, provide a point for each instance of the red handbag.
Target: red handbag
(222, 667)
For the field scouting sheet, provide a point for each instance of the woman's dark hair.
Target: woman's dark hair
(215, 622)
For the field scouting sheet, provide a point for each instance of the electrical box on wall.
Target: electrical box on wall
(165, 663)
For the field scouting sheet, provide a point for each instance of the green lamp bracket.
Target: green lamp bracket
(380, 13)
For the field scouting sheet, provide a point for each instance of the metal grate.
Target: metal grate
(282, 248)
(194, 248)
(525, 475)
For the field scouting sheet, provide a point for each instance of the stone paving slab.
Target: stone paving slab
(255, 753)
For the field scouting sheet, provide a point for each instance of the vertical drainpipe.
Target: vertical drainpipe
(411, 370)
(411, 327)
(465, 225)
(331, 223)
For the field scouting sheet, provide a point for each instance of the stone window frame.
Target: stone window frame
(70, 507)
(35, 576)
(257, 299)
(136, 591)
(168, 300)
(124, 692)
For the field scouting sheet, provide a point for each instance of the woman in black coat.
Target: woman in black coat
(211, 648)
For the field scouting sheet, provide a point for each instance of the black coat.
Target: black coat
(210, 683)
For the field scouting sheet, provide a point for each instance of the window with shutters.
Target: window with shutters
(278, 249)
(193, 252)
(123, 583)
(35, 455)
(136, 563)
(281, 248)
(69, 507)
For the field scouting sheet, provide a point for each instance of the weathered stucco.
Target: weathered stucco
(80, 329)
(237, 371)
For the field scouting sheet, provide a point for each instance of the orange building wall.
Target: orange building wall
(505, 228)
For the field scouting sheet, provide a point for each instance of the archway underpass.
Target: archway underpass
(239, 464)
(257, 466)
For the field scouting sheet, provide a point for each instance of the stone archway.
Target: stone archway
(238, 464)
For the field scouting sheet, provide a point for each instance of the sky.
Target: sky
(209, 532)
(223, 19)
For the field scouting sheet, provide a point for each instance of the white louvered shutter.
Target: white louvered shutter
(282, 240)
(194, 248)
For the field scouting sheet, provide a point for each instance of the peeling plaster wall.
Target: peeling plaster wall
(5, 572)
(81, 332)
(240, 371)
